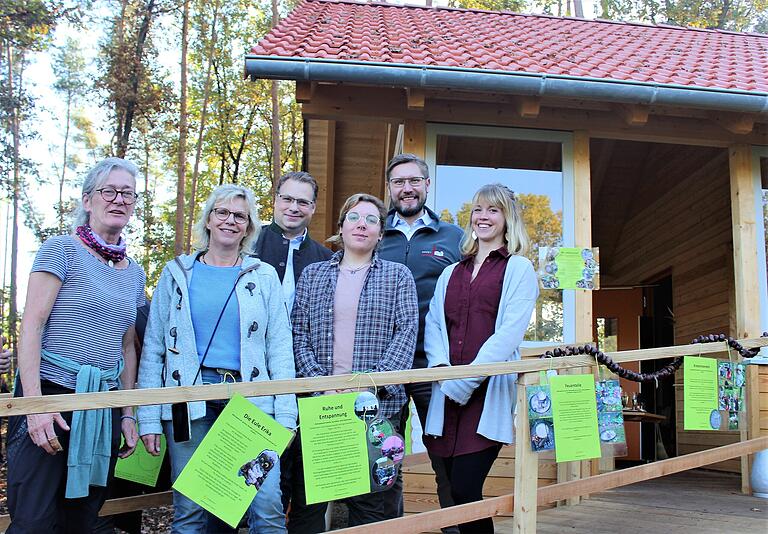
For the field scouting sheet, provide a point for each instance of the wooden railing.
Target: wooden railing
(524, 507)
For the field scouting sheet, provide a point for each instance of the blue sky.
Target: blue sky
(452, 185)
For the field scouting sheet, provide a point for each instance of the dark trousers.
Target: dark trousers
(421, 393)
(37, 480)
(130, 522)
(467, 474)
(310, 518)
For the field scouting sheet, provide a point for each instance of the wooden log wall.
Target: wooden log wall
(680, 224)
(345, 158)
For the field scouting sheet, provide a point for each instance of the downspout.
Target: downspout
(496, 81)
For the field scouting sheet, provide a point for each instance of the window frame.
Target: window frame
(522, 134)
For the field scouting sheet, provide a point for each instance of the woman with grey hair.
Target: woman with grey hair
(77, 336)
(217, 315)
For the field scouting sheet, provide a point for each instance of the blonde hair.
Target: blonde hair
(226, 192)
(515, 235)
(350, 203)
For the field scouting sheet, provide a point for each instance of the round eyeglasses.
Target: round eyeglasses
(353, 217)
(223, 214)
(109, 194)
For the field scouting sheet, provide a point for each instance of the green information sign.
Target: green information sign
(569, 268)
(141, 467)
(574, 414)
(700, 388)
(233, 460)
(334, 448)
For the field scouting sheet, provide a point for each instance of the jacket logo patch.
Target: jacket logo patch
(433, 252)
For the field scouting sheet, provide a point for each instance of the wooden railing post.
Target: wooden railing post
(526, 463)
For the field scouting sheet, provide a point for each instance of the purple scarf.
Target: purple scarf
(111, 253)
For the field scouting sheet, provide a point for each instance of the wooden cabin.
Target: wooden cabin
(649, 142)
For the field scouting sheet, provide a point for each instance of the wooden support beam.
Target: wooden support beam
(416, 99)
(634, 114)
(735, 123)
(528, 107)
(747, 305)
(415, 141)
(504, 504)
(305, 91)
(526, 463)
(582, 195)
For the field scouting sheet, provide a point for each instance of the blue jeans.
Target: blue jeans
(265, 514)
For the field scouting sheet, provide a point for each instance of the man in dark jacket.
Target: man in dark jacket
(285, 244)
(416, 237)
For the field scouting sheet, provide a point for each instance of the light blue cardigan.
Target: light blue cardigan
(266, 353)
(518, 298)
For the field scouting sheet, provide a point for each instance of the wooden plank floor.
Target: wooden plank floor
(695, 502)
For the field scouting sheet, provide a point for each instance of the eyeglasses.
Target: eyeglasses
(300, 202)
(109, 194)
(223, 214)
(353, 217)
(415, 181)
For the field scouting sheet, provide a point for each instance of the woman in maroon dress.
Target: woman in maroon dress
(479, 314)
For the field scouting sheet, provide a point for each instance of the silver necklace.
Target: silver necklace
(202, 259)
(353, 270)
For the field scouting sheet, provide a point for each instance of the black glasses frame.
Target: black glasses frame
(109, 194)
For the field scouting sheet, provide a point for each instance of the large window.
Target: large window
(537, 167)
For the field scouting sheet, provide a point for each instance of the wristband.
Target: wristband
(132, 418)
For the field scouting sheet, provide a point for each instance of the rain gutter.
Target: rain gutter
(510, 82)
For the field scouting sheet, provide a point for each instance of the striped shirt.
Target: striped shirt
(93, 309)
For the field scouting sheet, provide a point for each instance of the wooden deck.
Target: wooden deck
(695, 502)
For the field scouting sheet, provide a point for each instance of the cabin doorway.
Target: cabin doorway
(657, 329)
(617, 313)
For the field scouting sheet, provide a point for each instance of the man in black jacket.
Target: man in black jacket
(285, 243)
(416, 237)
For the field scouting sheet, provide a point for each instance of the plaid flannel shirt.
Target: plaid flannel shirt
(385, 330)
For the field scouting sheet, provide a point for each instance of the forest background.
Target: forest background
(160, 82)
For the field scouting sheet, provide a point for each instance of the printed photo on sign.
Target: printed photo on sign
(393, 448)
(384, 472)
(611, 426)
(539, 402)
(255, 471)
(378, 431)
(366, 406)
(608, 396)
(542, 435)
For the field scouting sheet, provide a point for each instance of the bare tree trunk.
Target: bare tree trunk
(276, 166)
(12, 308)
(124, 131)
(578, 9)
(178, 245)
(62, 178)
(724, 12)
(201, 131)
(147, 208)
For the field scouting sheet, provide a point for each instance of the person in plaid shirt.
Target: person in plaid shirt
(354, 313)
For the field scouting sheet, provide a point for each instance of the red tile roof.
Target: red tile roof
(371, 32)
